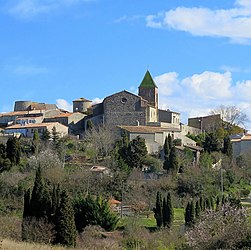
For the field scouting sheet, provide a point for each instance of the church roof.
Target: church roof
(148, 81)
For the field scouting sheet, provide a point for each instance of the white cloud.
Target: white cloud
(207, 84)
(232, 23)
(243, 90)
(97, 100)
(63, 104)
(30, 8)
(196, 95)
(168, 83)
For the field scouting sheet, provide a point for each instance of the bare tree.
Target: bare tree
(232, 115)
(99, 141)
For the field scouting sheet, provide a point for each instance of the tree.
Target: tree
(46, 135)
(171, 164)
(220, 229)
(227, 147)
(35, 143)
(158, 210)
(166, 148)
(137, 152)
(99, 142)
(231, 115)
(197, 209)
(65, 225)
(13, 150)
(212, 143)
(190, 214)
(90, 211)
(54, 135)
(170, 211)
(38, 206)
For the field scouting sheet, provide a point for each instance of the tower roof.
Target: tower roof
(148, 81)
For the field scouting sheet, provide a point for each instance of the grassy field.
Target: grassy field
(150, 222)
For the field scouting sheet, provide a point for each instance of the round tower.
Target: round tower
(81, 105)
(22, 105)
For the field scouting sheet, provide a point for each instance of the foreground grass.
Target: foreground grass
(13, 245)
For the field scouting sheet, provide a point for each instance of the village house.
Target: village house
(28, 130)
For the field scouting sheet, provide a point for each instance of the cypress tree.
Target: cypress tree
(170, 141)
(197, 209)
(158, 210)
(166, 148)
(165, 212)
(188, 214)
(202, 204)
(217, 203)
(37, 198)
(170, 211)
(13, 150)
(192, 213)
(65, 226)
(46, 135)
(27, 200)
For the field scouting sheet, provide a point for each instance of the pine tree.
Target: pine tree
(90, 211)
(158, 210)
(107, 219)
(65, 226)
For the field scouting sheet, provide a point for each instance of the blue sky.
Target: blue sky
(198, 51)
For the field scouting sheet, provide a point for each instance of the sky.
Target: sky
(56, 51)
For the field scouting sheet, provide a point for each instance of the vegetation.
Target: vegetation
(165, 200)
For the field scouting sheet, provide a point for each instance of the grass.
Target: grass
(150, 222)
(14, 245)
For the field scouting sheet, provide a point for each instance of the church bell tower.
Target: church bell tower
(149, 90)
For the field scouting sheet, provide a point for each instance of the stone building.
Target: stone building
(125, 108)
(206, 123)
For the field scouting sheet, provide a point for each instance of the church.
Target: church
(127, 109)
(137, 115)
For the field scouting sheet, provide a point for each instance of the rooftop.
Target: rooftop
(82, 100)
(148, 81)
(148, 129)
(34, 125)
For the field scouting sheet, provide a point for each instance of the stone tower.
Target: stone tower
(149, 90)
(81, 105)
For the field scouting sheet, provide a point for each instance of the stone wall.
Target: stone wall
(124, 108)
